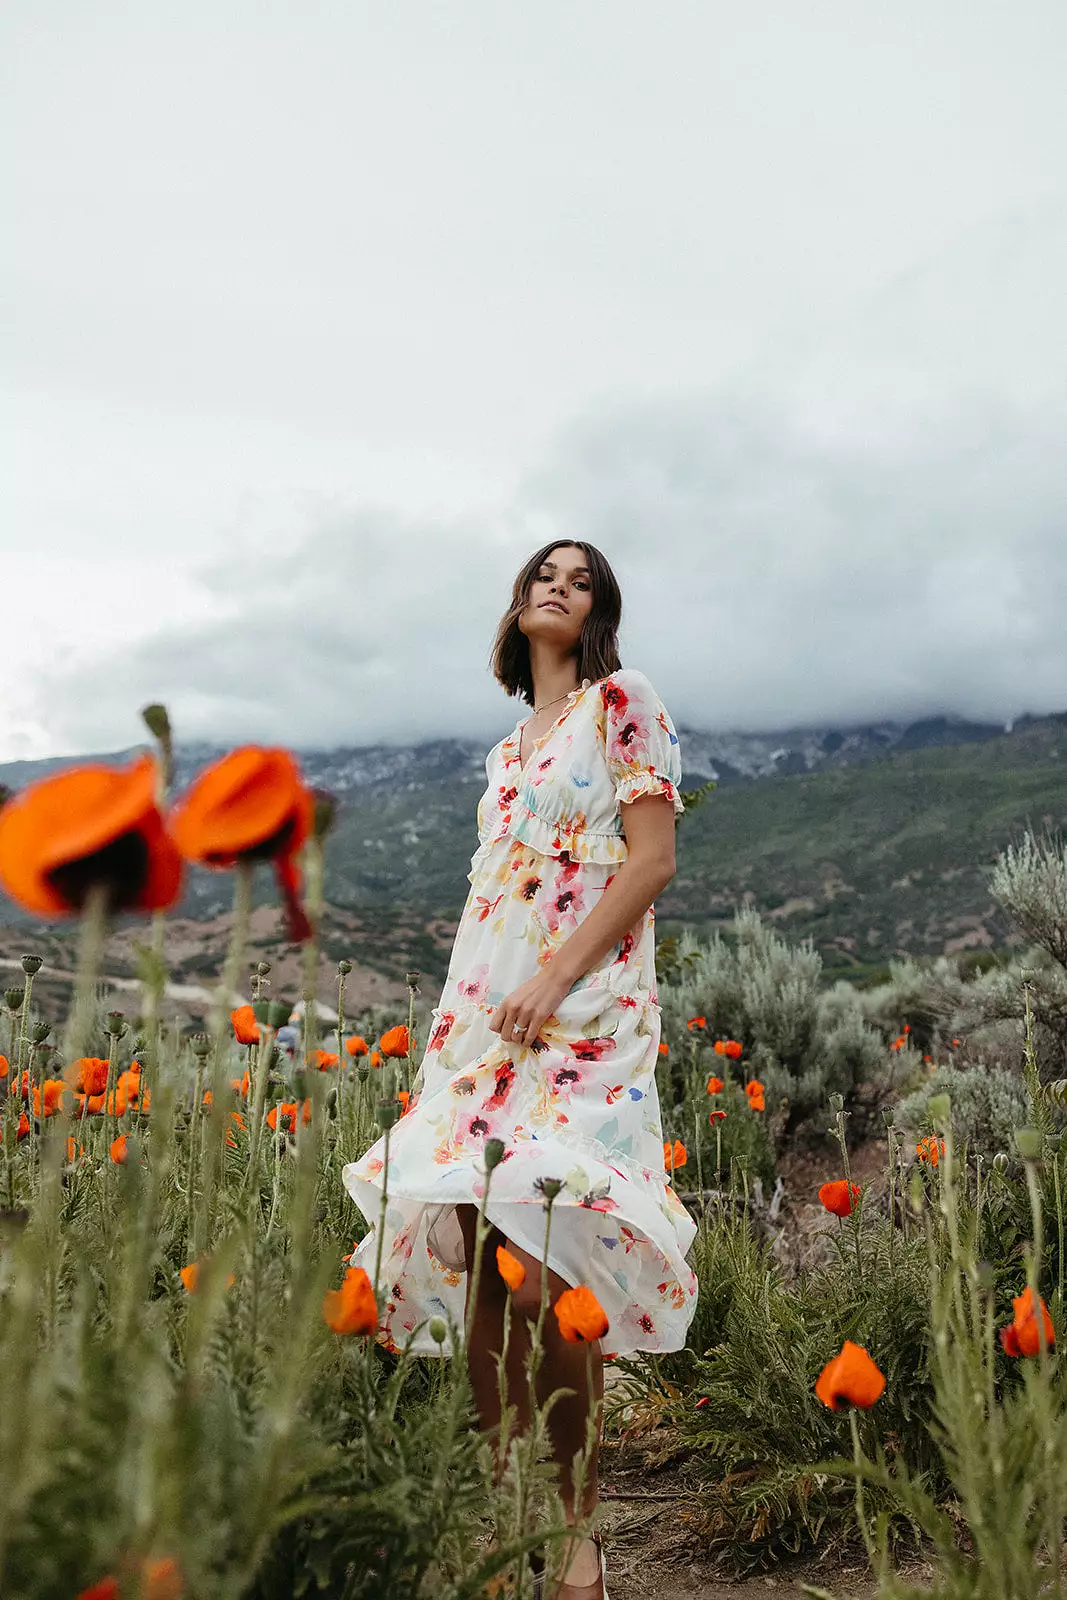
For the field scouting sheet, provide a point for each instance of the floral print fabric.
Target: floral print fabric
(579, 1102)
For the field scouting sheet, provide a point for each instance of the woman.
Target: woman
(547, 1034)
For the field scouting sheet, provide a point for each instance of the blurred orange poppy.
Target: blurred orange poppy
(580, 1316)
(395, 1041)
(715, 1086)
(323, 1060)
(840, 1197)
(351, 1309)
(190, 1276)
(720, 1047)
(245, 1027)
(1022, 1336)
(118, 1150)
(930, 1150)
(851, 1378)
(356, 1046)
(716, 1116)
(253, 805)
(88, 1074)
(288, 1110)
(733, 1049)
(662, 1047)
(674, 1156)
(510, 1268)
(696, 1022)
(90, 826)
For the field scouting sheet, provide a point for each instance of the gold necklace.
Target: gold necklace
(554, 702)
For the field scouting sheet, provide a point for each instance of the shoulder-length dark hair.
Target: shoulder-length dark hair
(597, 652)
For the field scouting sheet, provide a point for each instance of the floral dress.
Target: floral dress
(578, 1103)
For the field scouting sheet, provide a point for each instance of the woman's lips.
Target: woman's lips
(552, 605)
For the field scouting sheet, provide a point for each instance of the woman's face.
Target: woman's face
(561, 597)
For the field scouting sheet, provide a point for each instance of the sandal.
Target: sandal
(597, 1590)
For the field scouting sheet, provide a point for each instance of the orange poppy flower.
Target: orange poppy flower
(88, 1075)
(756, 1102)
(245, 1026)
(840, 1197)
(288, 1111)
(252, 805)
(395, 1041)
(405, 1100)
(118, 1150)
(851, 1378)
(696, 1022)
(152, 1579)
(242, 1085)
(23, 1129)
(720, 1047)
(86, 827)
(716, 1116)
(351, 1309)
(190, 1276)
(236, 1117)
(753, 1086)
(930, 1149)
(117, 1102)
(1022, 1337)
(580, 1316)
(93, 1104)
(715, 1086)
(662, 1047)
(674, 1156)
(510, 1268)
(54, 1089)
(733, 1049)
(129, 1083)
(323, 1060)
(4, 1067)
(356, 1046)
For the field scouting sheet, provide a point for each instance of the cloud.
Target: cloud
(868, 522)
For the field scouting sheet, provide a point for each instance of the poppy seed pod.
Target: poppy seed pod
(89, 828)
(13, 999)
(344, 967)
(31, 965)
(492, 1153)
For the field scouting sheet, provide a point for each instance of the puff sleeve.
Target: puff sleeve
(643, 754)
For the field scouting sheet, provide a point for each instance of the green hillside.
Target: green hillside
(870, 861)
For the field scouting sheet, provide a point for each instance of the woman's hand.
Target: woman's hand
(519, 1017)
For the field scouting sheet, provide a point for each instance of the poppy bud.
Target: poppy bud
(888, 1116)
(344, 967)
(13, 999)
(31, 965)
(549, 1187)
(438, 1330)
(263, 968)
(386, 1114)
(492, 1153)
(116, 1024)
(837, 1102)
(362, 1071)
(157, 721)
(412, 979)
(1028, 1143)
(1000, 1162)
(1054, 1141)
(278, 1013)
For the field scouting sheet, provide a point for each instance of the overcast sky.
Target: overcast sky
(318, 319)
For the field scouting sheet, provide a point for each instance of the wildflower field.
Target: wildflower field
(192, 1400)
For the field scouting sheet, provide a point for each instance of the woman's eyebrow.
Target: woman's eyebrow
(552, 564)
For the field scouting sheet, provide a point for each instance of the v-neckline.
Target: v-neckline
(516, 737)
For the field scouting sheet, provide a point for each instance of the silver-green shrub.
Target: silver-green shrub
(987, 1104)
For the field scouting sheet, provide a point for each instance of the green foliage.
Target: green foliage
(803, 1043)
(986, 1107)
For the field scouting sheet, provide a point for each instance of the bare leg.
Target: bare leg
(576, 1367)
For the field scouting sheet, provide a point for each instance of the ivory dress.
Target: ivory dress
(579, 1102)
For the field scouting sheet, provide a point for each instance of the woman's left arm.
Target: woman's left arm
(648, 868)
